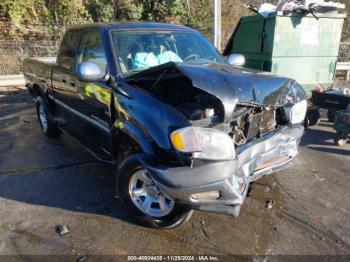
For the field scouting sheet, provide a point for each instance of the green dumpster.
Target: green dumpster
(304, 48)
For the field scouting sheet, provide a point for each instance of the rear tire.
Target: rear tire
(166, 215)
(47, 124)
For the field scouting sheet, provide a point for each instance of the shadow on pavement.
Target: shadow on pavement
(344, 152)
(317, 137)
(85, 186)
(322, 140)
(56, 173)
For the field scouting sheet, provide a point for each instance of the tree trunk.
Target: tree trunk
(115, 4)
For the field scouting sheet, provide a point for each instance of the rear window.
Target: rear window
(68, 49)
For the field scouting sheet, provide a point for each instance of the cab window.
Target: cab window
(91, 50)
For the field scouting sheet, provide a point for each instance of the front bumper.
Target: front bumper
(255, 159)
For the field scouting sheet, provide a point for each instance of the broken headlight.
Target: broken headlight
(298, 112)
(295, 105)
(204, 143)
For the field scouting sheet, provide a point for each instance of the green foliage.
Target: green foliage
(29, 12)
(44, 17)
(49, 18)
(163, 10)
(128, 10)
(198, 15)
(100, 10)
(68, 12)
(201, 16)
(151, 10)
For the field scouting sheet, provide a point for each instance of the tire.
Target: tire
(46, 122)
(172, 214)
(313, 117)
(331, 115)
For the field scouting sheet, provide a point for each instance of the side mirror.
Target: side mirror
(236, 60)
(90, 72)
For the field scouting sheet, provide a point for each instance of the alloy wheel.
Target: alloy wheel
(147, 196)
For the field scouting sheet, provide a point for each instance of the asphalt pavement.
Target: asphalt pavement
(48, 182)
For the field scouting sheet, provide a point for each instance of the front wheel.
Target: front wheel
(145, 200)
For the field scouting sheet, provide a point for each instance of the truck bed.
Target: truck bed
(38, 70)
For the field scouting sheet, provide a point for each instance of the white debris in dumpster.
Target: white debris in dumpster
(266, 9)
(326, 7)
(322, 2)
(308, 6)
(288, 7)
(298, 7)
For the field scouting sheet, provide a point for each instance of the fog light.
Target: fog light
(211, 195)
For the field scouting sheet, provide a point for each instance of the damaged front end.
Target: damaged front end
(241, 125)
(221, 186)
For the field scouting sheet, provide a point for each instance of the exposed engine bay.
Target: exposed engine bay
(251, 122)
(247, 121)
(197, 105)
(205, 110)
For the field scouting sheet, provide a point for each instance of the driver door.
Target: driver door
(90, 104)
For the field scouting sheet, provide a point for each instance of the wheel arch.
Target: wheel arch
(128, 133)
(43, 97)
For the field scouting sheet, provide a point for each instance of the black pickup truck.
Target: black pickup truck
(186, 128)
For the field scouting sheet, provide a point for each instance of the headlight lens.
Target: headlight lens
(204, 143)
(297, 112)
(295, 105)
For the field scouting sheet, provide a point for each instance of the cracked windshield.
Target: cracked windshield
(140, 50)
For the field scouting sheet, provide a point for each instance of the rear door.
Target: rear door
(90, 101)
(63, 73)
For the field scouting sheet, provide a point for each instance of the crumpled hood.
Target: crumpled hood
(247, 85)
(229, 84)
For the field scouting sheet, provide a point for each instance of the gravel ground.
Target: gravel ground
(46, 182)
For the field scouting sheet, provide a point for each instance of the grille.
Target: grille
(260, 123)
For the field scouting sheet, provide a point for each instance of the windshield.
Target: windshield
(139, 50)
